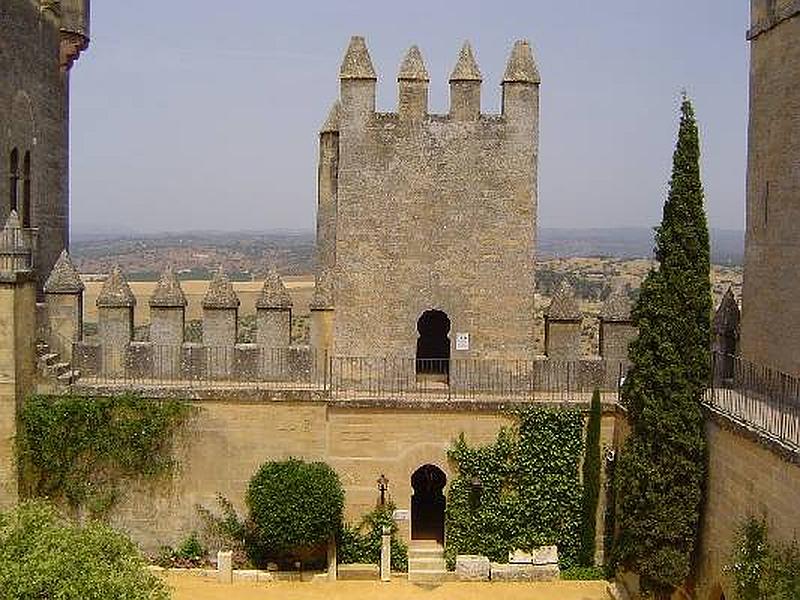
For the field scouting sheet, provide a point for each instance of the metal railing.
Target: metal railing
(757, 396)
(249, 365)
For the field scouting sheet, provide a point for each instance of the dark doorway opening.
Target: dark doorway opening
(433, 345)
(427, 504)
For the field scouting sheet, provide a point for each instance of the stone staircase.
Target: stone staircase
(51, 366)
(426, 563)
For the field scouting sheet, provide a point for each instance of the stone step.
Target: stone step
(431, 576)
(427, 564)
(425, 553)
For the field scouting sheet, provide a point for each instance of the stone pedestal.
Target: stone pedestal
(225, 566)
(386, 554)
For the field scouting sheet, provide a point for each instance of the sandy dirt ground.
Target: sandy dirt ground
(188, 587)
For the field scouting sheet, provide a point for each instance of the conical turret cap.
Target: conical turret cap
(273, 294)
(564, 306)
(168, 293)
(728, 315)
(357, 64)
(220, 292)
(413, 67)
(617, 306)
(64, 278)
(116, 293)
(521, 67)
(331, 124)
(466, 68)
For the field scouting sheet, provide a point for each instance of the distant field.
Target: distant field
(300, 289)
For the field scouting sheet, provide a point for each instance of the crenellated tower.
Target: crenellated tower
(770, 310)
(426, 223)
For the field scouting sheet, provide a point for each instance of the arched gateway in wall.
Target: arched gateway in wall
(433, 346)
(428, 503)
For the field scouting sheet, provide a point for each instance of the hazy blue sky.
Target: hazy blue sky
(204, 114)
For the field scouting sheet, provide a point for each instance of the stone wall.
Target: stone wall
(747, 476)
(35, 57)
(770, 310)
(234, 433)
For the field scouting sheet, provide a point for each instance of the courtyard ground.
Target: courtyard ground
(187, 587)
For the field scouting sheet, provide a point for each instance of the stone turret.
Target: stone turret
(115, 305)
(74, 26)
(357, 84)
(562, 323)
(616, 326)
(521, 84)
(167, 310)
(274, 313)
(220, 312)
(322, 315)
(465, 87)
(63, 293)
(413, 86)
(327, 184)
(726, 325)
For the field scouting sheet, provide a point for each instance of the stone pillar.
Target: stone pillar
(616, 334)
(17, 351)
(386, 554)
(225, 566)
(167, 323)
(322, 314)
(332, 559)
(562, 323)
(63, 293)
(220, 325)
(327, 189)
(115, 305)
(465, 87)
(725, 344)
(274, 326)
(413, 87)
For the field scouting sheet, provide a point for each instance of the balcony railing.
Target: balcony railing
(763, 399)
(343, 377)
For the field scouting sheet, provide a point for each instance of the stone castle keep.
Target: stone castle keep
(422, 320)
(427, 222)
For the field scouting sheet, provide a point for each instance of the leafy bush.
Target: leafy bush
(42, 555)
(591, 483)
(583, 574)
(362, 543)
(295, 507)
(530, 490)
(227, 531)
(77, 449)
(189, 554)
(761, 569)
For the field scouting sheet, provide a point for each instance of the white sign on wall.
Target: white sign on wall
(401, 515)
(462, 341)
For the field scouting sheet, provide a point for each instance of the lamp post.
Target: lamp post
(383, 485)
(476, 487)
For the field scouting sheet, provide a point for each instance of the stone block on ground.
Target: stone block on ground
(225, 566)
(359, 572)
(524, 572)
(544, 555)
(472, 567)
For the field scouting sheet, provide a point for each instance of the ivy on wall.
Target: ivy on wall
(362, 543)
(77, 450)
(520, 492)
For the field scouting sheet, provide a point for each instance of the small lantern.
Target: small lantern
(476, 489)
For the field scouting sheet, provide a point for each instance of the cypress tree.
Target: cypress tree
(662, 466)
(591, 483)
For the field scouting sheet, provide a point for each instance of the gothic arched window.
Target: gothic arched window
(26, 190)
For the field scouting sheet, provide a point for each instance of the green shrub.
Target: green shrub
(78, 449)
(190, 553)
(295, 508)
(591, 484)
(761, 569)
(362, 543)
(583, 574)
(530, 489)
(42, 555)
(226, 531)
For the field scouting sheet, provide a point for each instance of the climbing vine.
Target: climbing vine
(78, 450)
(521, 491)
(362, 543)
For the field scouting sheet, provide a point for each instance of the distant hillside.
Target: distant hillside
(727, 246)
